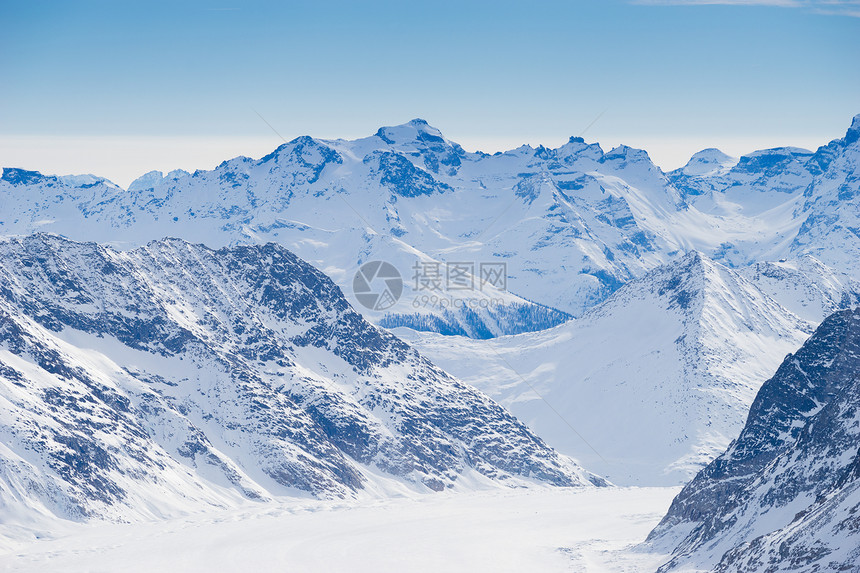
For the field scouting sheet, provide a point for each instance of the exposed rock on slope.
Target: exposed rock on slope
(657, 379)
(785, 496)
(140, 383)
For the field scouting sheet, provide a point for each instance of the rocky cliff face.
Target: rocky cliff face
(172, 376)
(785, 495)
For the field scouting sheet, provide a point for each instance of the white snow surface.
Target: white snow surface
(523, 530)
(647, 387)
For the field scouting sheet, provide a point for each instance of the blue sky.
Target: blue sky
(670, 76)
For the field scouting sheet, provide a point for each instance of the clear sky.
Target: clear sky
(118, 88)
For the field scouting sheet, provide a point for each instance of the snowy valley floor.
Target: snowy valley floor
(513, 530)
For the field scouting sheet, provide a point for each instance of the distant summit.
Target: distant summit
(709, 162)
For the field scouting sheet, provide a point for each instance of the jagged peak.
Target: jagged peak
(681, 282)
(413, 131)
(178, 174)
(626, 153)
(524, 149)
(301, 142)
(713, 294)
(305, 152)
(151, 179)
(235, 162)
(691, 263)
(16, 176)
(45, 242)
(577, 146)
(692, 269)
(826, 154)
(853, 133)
(693, 257)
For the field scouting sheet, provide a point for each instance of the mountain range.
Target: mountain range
(571, 224)
(631, 323)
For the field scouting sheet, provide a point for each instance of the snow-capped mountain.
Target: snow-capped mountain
(783, 203)
(571, 225)
(706, 164)
(785, 495)
(647, 387)
(404, 195)
(141, 383)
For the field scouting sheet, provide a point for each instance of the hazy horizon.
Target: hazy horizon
(122, 159)
(122, 89)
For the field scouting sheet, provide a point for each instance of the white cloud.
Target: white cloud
(780, 3)
(849, 8)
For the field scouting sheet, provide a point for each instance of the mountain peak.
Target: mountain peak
(825, 156)
(715, 295)
(724, 335)
(17, 176)
(853, 133)
(624, 155)
(153, 179)
(708, 162)
(146, 181)
(416, 130)
(439, 155)
(577, 148)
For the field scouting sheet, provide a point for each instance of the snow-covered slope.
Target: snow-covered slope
(805, 286)
(647, 387)
(143, 383)
(831, 208)
(571, 224)
(785, 495)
